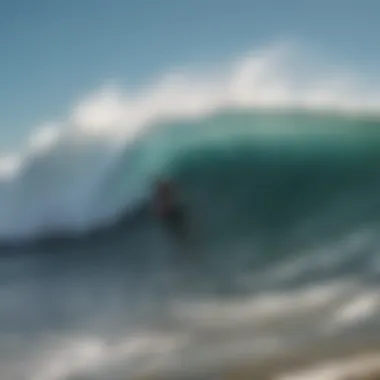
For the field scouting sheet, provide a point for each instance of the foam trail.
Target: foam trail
(86, 356)
(54, 183)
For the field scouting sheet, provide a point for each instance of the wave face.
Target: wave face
(253, 172)
(279, 175)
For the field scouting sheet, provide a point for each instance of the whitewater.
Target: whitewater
(277, 160)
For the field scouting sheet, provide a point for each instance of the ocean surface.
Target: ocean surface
(283, 254)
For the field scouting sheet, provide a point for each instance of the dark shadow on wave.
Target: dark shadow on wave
(126, 222)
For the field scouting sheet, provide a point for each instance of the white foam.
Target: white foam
(360, 308)
(267, 309)
(9, 165)
(81, 356)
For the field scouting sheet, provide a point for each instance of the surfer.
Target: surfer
(169, 209)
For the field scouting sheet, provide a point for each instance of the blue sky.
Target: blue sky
(54, 52)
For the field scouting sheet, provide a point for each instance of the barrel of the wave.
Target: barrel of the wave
(170, 210)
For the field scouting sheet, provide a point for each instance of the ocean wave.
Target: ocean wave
(84, 172)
